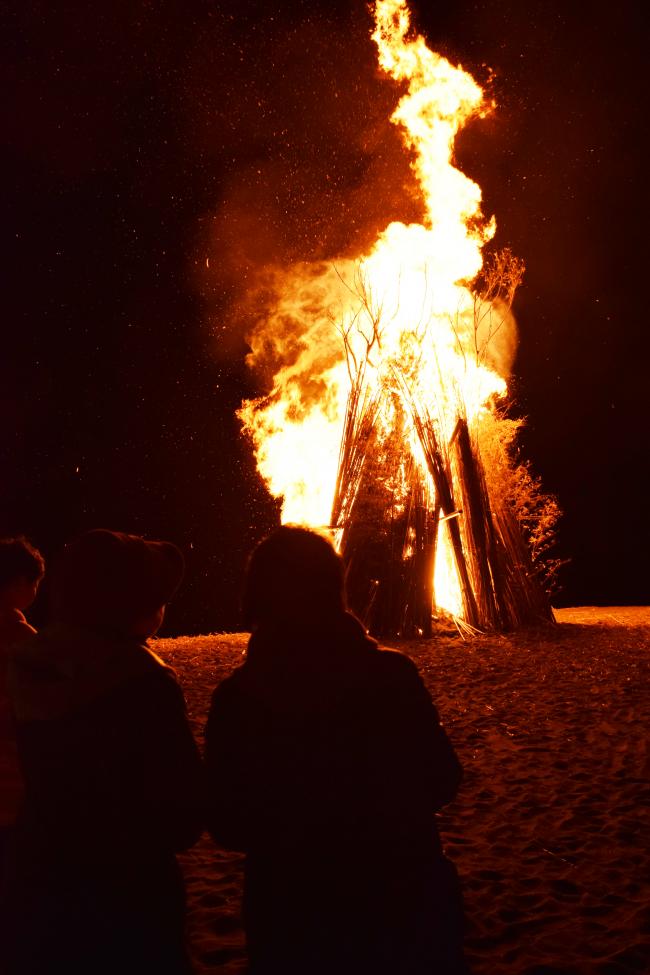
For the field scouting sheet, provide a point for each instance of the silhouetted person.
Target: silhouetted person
(21, 570)
(112, 772)
(326, 764)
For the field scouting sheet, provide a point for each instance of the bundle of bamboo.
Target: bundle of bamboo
(392, 511)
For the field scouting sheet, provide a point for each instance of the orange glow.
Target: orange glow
(402, 317)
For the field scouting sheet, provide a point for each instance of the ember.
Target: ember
(383, 423)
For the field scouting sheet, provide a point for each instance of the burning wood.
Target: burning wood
(386, 403)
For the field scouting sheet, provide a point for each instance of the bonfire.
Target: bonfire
(386, 425)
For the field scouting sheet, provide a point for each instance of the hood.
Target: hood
(64, 669)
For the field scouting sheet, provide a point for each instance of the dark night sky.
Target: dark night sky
(144, 138)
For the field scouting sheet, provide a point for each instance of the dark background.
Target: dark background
(146, 141)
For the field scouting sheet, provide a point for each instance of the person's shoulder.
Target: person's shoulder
(147, 681)
(399, 680)
(153, 664)
(386, 660)
(14, 629)
(151, 694)
(396, 662)
(233, 684)
(153, 669)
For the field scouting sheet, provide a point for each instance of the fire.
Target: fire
(400, 324)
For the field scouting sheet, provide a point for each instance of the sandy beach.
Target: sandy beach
(551, 829)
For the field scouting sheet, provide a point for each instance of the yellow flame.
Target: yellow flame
(406, 303)
(446, 585)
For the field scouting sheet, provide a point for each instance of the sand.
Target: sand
(551, 829)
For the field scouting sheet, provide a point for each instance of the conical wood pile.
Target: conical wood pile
(389, 512)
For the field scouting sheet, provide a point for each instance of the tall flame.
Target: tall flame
(404, 306)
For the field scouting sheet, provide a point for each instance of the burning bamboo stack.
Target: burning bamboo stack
(431, 513)
(390, 546)
(388, 515)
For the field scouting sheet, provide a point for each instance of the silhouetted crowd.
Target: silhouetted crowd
(325, 763)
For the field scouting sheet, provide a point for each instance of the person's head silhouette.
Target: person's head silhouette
(294, 575)
(117, 582)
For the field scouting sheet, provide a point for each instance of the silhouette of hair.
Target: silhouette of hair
(111, 579)
(19, 560)
(293, 574)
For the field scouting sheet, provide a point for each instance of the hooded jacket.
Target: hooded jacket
(322, 733)
(110, 764)
(14, 629)
(326, 763)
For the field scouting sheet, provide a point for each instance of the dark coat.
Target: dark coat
(113, 791)
(14, 629)
(326, 763)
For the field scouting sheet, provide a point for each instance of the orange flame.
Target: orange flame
(406, 305)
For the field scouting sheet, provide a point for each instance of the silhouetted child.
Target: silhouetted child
(327, 763)
(21, 570)
(111, 770)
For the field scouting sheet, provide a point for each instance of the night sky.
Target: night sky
(147, 141)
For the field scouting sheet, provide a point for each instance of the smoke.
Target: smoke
(294, 337)
(294, 121)
(496, 337)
